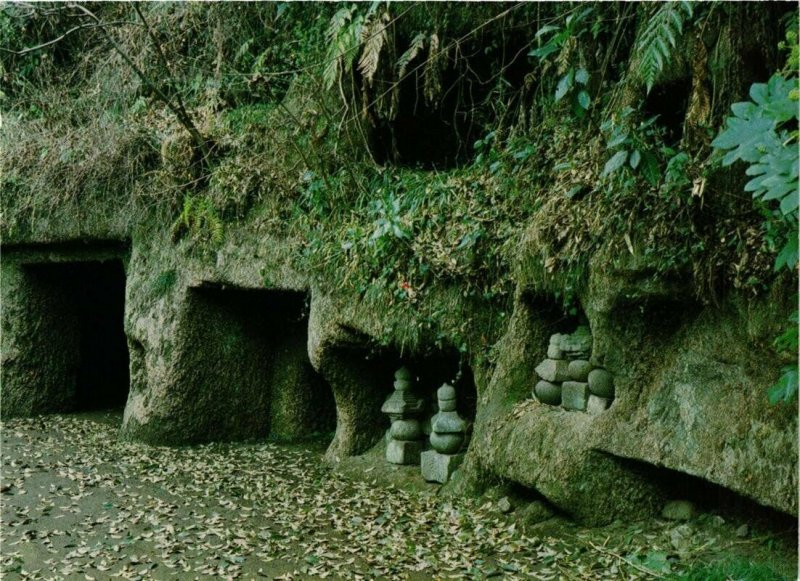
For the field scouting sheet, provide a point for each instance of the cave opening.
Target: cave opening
(709, 497)
(445, 102)
(669, 102)
(82, 308)
(429, 371)
(363, 375)
(247, 359)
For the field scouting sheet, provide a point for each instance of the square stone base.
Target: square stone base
(574, 395)
(438, 467)
(403, 452)
(597, 405)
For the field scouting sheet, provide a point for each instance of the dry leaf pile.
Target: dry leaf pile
(79, 504)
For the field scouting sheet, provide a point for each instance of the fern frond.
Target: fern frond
(199, 219)
(186, 213)
(343, 37)
(659, 37)
(417, 44)
(432, 82)
(373, 35)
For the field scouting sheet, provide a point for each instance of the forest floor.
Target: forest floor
(79, 504)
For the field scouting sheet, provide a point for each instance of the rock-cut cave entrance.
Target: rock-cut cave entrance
(247, 364)
(79, 336)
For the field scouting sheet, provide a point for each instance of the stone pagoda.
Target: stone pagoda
(447, 438)
(404, 408)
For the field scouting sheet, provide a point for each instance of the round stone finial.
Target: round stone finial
(405, 430)
(447, 443)
(448, 423)
(446, 392)
(403, 374)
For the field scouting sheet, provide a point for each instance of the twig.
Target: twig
(623, 559)
(30, 49)
(179, 112)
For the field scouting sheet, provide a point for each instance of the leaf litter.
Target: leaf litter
(77, 503)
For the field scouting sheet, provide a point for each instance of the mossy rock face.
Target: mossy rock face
(219, 357)
(38, 376)
(690, 386)
(61, 309)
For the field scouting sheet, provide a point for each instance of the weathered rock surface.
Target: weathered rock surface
(44, 317)
(688, 379)
(689, 395)
(212, 361)
(403, 453)
(597, 405)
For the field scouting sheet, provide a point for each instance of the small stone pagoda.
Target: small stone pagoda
(447, 438)
(405, 442)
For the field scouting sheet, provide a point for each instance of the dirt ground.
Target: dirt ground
(78, 504)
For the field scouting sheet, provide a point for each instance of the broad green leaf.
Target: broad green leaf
(776, 187)
(617, 139)
(636, 157)
(582, 76)
(788, 256)
(790, 202)
(545, 29)
(759, 93)
(780, 106)
(616, 162)
(542, 52)
(564, 85)
(745, 109)
(786, 388)
(657, 561)
(584, 100)
(650, 168)
(745, 138)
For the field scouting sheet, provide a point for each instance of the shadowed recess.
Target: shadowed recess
(92, 300)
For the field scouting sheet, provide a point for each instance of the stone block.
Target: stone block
(447, 405)
(574, 395)
(549, 393)
(405, 453)
(579, 370)
(439, 467)
(553, 370)
(554, 352)
(555, 339)
(601, 383)
(578, 342)
(447, 391)
(679, 510)
(597, 405)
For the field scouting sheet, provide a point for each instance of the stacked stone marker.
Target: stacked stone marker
(447, 437)
(568, 379)
(403, 408)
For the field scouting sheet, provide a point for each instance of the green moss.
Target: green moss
(164, 282)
